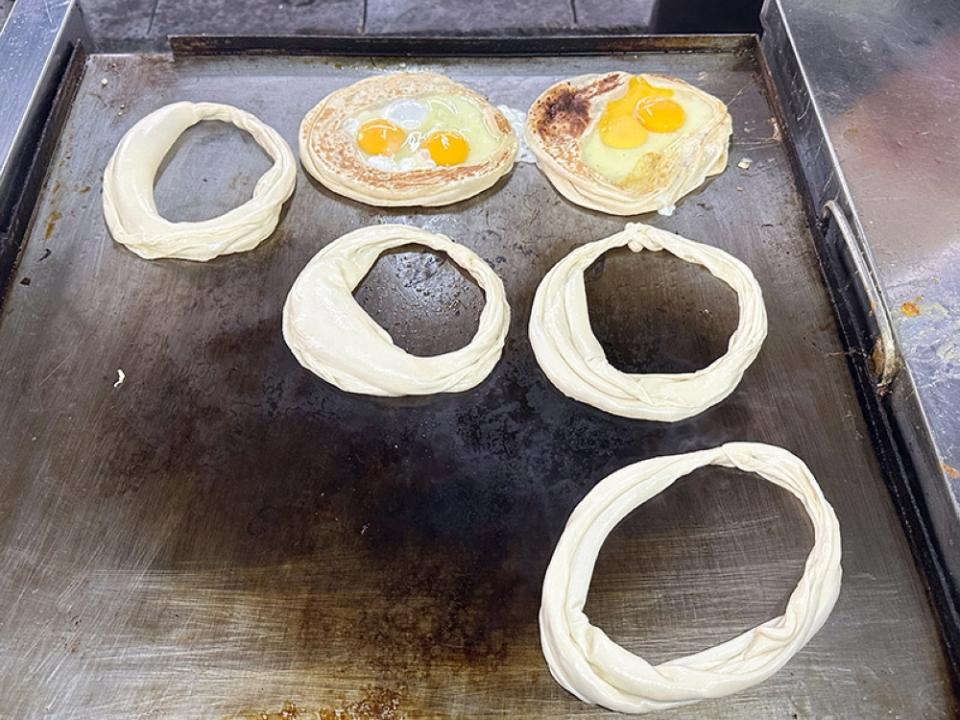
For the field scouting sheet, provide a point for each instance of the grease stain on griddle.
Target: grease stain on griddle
(407, 538)
(376, 704)
(423, 299)
(653, 312)
(52, 219)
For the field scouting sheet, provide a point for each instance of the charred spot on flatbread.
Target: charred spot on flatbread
(565, 112)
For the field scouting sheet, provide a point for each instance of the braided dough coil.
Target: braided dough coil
(572, 358)
(131, 211)
(594, 668)
(332, 335)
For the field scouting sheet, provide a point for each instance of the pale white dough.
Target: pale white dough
(571, 357)
(128, 202)
(597, 670)
(332, 336)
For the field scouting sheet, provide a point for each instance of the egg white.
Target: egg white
(420, 117)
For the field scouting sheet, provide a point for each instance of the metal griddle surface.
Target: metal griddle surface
(224, 532)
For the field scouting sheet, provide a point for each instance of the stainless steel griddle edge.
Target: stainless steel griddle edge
(901, 431)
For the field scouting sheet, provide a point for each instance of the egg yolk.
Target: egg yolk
(380, 137)
(659, 114)
(625, 121)
(447, 148)
(621, 131)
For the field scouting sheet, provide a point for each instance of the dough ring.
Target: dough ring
(597, 670)
(333, 337)
(130, 208)
(571, 357)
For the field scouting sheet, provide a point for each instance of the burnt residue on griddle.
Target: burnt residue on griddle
(565, 112)
(675, 297)
(400, 537)
(423, 299)
(376, 704)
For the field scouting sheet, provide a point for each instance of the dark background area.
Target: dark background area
(145, 24)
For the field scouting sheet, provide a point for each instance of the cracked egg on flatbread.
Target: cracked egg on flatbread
(628, 144)
(407, 139)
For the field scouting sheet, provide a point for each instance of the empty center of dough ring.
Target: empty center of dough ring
(131, 211)
(333, 336)
(597, 670)
(572, 358)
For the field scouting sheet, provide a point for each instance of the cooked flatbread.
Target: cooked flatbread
(329, 150)
(567, 112)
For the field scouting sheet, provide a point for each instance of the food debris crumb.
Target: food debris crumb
(775, 133)
(104, 82)
(120, 378)
(667, 210)
(363, 530)
(739, 189)
(910, 308)
(951, 471)
(745, 164)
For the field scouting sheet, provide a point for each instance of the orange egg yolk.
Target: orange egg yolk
(621, 131)
(625, 121)
(659, 114)
(447, 147)
(380, 137)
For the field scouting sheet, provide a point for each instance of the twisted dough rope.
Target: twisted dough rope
(332, 336)
(130, 208)
(571, 357)
(594, 668)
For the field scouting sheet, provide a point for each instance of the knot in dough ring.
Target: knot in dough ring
(130, 208)
(571, 357)
(597, 670)
(332, 335)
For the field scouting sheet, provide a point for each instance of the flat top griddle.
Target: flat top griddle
(224, 532)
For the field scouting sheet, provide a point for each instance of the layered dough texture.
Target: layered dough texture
(572, 358)
(566, 115)
(329, 147)
(131, 211)
(594, 668)
(332, 335)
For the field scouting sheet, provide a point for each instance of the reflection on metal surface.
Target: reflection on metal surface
(874, 86)
(885, 78)
(41, 49)
(884, 355)
(35, 44)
